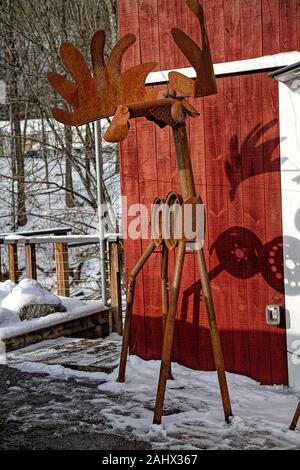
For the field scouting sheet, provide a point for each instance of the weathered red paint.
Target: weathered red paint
(235, 153)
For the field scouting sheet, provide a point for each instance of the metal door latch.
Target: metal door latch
(273, 314)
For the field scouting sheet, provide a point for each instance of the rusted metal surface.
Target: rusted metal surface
(164, 222)
(164, 283)
(165, 294)
(167, 111)
(169, 219)
(214, 334)
(105, 91)
(184, 164)
(169, 307)
(157, 221)
(168, 335)
(129, 307)
(96, 94)
(119, 127)
(186, 179)
(295, 418)
(192, 203)
(200, 59)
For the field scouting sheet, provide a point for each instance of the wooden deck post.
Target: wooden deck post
(30, 260)
(62, 268)
(12, 250)
(295, 418)
(115, 286)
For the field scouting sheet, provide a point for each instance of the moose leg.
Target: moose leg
(214, 334)
(168, 336)
(164, 291)
(295, 418)
(129, 306)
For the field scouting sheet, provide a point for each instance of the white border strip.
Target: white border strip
(289, 117)
(235, 67)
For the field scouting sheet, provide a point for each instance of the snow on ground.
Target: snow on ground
(5, 288)
(194, 417)
(28, 291)
(20, 328)
(66, 355)
(41, 412)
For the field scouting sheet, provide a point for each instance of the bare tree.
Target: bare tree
(15, 118)
(36, 29)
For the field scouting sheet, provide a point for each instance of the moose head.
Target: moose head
(106, 90)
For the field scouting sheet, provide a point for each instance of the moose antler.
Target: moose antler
(97, 95)
(107, 91)
(200, 59)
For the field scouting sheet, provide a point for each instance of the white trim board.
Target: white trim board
(229, 68)
(289, 117)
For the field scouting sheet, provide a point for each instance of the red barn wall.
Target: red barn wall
(235, 155)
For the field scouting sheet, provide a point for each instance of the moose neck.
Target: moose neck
(184, 164)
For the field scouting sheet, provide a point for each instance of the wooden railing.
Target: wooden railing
(62, 242)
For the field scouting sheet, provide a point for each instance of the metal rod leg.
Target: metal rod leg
(168, 337)
(129, 306)
(295, 418)
(165, 291)
(214, 334)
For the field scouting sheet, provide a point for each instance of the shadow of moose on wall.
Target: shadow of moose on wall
(244, 157)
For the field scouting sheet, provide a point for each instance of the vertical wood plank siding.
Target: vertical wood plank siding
(235, 151)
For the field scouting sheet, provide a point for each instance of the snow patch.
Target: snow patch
(157, 433)
(14, 236)
(193, 415)
(5, 288)
(8, 317)
(193, 411)
(59, 371)
(50, 320)
(28, 291)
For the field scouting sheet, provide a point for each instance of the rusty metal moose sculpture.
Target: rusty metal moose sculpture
(107, 91)
(99, 94)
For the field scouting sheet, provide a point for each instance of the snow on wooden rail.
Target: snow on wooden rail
(29, 233)
(53, 238)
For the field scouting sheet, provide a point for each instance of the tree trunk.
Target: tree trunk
(21, 199)
(70, 201)
(88, 155)
(112, 10)
(45, 156)
(17, 148)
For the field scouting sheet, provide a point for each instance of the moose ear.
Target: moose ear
(182, 84)
(118, 130)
